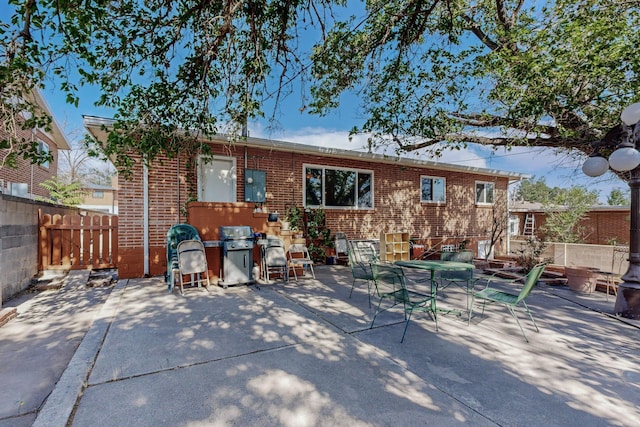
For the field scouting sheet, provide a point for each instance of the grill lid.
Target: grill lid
(236, 232)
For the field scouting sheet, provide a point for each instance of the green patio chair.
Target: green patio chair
(361, 255)
(391, 283)
(176, 234)
(509, 300)
(462, 279)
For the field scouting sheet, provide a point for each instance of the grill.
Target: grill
(237, 255)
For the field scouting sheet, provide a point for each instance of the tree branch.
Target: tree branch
(481, 35)
(579, 144)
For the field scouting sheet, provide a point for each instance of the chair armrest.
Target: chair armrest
(497, 278)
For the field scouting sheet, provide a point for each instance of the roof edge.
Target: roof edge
(94, 125)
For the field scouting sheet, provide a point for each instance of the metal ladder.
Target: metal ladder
(529, 225)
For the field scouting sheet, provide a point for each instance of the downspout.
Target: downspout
(178, 210)
(508, 233)
(31, 193)
(145, 216)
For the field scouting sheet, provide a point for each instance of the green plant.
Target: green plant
(613, 241)
(529, 255)
(293, 215)
(183, 209)
(316, 218)
(62, 193)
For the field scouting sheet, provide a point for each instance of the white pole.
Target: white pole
(145, 215)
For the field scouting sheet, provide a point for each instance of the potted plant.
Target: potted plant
(329, 247)
(582, 279)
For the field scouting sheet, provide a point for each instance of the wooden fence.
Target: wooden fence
(78, 242)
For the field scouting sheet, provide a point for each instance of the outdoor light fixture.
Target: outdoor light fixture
(626, 158)
(595, 165)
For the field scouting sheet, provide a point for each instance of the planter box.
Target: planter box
(582, 279)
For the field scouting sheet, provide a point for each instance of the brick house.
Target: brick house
(602, 224)
(362, 194)
(25, 179)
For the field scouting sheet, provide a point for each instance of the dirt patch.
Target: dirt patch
(102, 278)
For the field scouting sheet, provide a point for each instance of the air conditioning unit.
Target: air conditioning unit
(18, 189)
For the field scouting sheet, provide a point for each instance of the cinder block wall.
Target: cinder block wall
(18, 244)
(19, 241)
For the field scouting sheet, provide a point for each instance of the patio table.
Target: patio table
(434, 266)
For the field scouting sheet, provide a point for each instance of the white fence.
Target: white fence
(604, 257)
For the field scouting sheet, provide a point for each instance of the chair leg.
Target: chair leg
(173, 277)
(376, 313)
(526, 308)
(515, 316)
(470, 309)
(406, 324)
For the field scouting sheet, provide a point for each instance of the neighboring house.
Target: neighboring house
(24, 181)
(362, 194)
(603, 225)
(102, 198)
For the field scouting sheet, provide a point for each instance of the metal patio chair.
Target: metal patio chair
(341, 244)
(489, 295)
(462, 279)
(192, 262)
(175, 235)
(299, 257)
(390, 283)
(275, 259)
(361, 255)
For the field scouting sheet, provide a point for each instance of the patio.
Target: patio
(302, 354)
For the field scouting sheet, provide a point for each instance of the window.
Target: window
(217, 179)
(98, 194)
(484, 193)
(43, 148)
(514, 225)
(338, 188)
(432, 189)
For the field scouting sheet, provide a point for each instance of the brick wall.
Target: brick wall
(27, 173)
(396, 192)
(601, 225)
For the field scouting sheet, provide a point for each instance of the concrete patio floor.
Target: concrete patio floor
(302, 354)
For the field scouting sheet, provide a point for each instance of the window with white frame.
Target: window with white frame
(338, 187)
(98, 194)
(432, 189)
(43, 148)
(484, 193)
